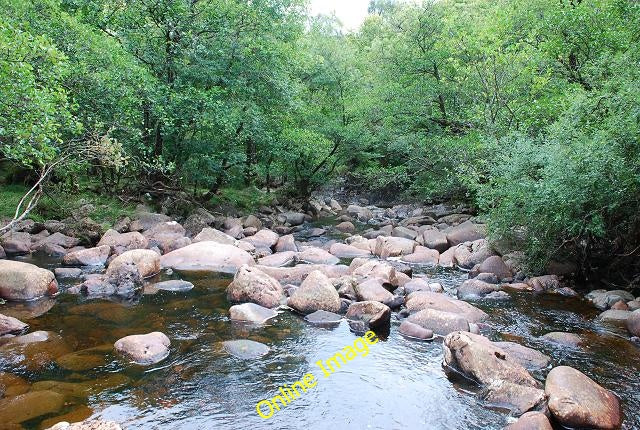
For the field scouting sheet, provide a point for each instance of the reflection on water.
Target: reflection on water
(400, 384)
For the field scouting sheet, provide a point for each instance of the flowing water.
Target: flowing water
(399, 384)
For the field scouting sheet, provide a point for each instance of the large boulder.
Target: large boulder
(373, 313)
(495, 265)
(23, 281)
(364, 270)
(404, 232)
(393, 246)
(372, 290)
(429, 300)
(251, 312)
(465, 232)
(97, 256)
(207, 257)
(164, 235)
(313, 255)
(286, 243)
(361, 213)
(576, 401)
(253, 285)
(147, 221)
(279, 259)
(56, 239)
(439, 322)
(197, 221)
(11, 325)
(16, 243)
(346, 227)
(480, 359)
(316, 292)
(263, 239)
(146, 261)
(435, 239)
(144, 349)
(422, 255)
(292, 218)
(123, 242)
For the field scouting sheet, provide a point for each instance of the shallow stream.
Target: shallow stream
(399, 385)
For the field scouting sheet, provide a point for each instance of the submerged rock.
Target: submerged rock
(251, 284)
(144, 349)
(245, 349)
(439, 322)
(251, 312)
(174, 285)
(323, 317)
(23, 281)
(28, 406)
(562, 338)
(207, 257)
(34, 351)
(576, 401)
(88, 257)
(529, 358)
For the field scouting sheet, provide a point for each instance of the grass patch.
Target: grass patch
(62, 204)
(245, 200)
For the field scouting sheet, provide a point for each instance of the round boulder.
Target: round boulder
(374, 314)
(252, 285)
(207, 257)
(316, 292)
(23, 281)
(144, 349)
(576, 401)
(146, 260)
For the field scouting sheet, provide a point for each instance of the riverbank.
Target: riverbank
(424, 278)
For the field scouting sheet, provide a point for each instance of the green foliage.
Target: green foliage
(528, 109)
(246, 200)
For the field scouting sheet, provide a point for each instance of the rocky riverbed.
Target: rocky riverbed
(190, 324)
